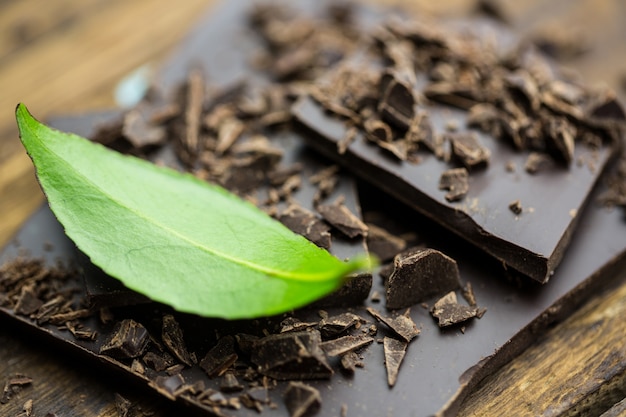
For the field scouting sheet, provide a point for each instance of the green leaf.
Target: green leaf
(173, 237)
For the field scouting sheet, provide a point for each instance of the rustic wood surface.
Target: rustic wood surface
(62, 56)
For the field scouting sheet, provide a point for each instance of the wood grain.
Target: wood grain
(60, 56)
(577, 369)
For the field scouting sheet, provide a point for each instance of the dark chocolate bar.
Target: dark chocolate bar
(494, 158)
(439, 367)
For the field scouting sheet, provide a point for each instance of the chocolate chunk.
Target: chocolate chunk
(302, 400)
(345, 344)
(172, 337)
(333, 326)
(467, 149)
(307, 224)
(343, 219)
(383, 244)
(394, 354)
(419, 274)
(456, 182)
(129, 340)
(468, 294)
(296, 355)
(401, 325)
(221, 357)
(449, 312)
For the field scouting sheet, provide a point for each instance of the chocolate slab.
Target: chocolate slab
(440, 366)
(531, 241)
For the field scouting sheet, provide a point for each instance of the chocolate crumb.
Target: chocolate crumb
(516, 207)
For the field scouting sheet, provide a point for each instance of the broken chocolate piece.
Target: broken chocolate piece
(402, 325)
(394, 354)
(129, 340)
(560, 135)
(383, 244)
(230, 383)
(296, 355)
(13, 385)
(350, 361)
(456, 182)
(448, 311)
(302, 400)
(333, 326)
(168, 385)
(468, 150)
(221, 357)
(396, 100)
(172, 336)
(345, 344)
(343, 219)
(419, 274)
(292, 324)
(307, 224)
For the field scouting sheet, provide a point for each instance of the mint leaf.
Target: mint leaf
(173, 237)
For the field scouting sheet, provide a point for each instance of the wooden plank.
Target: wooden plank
(75, 68)
(578, 368)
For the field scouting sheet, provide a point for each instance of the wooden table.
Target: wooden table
(63, 56)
